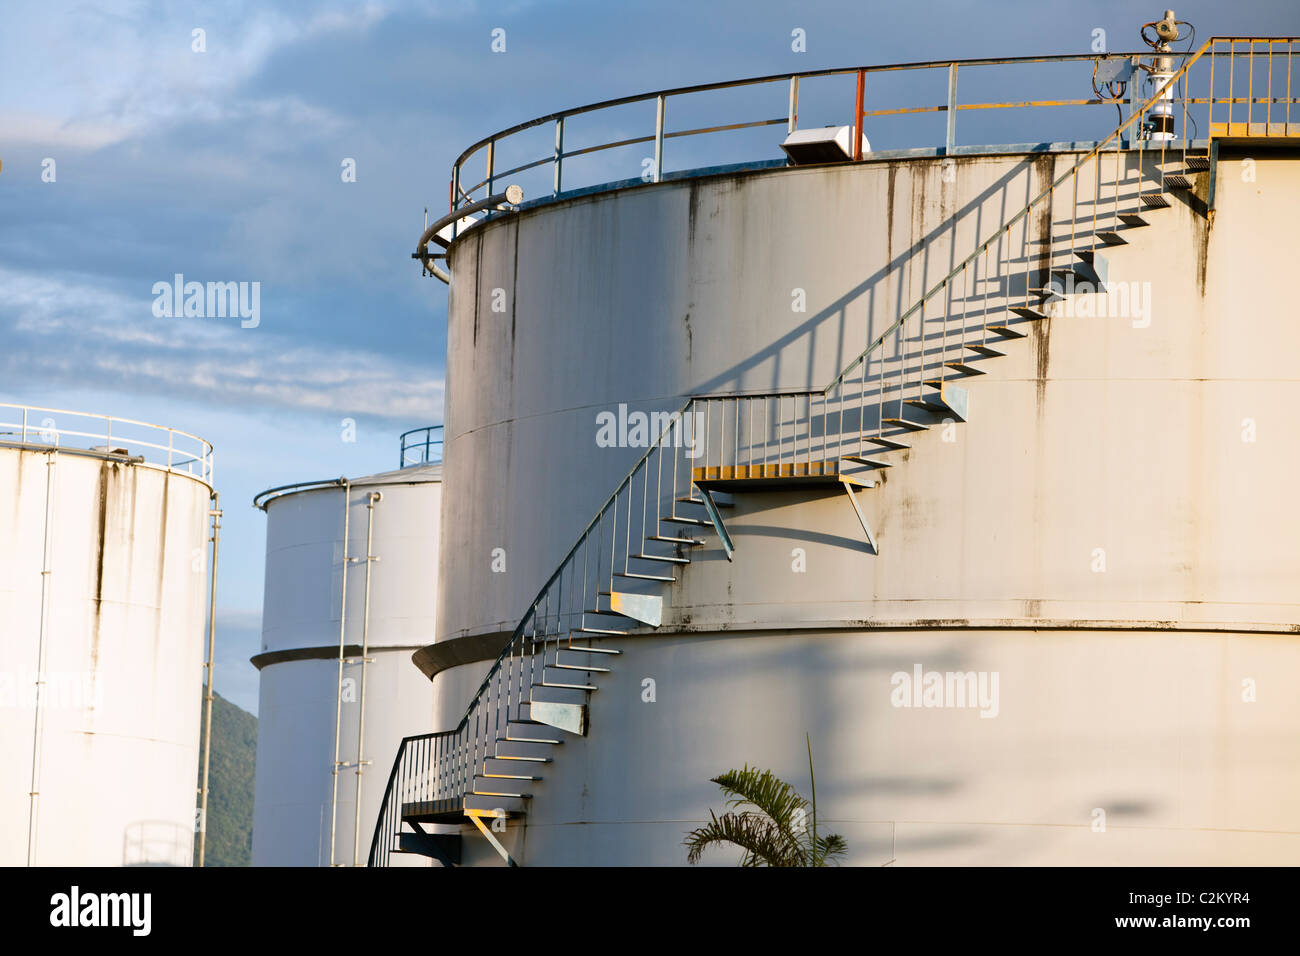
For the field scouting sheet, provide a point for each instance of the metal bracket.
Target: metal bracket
(871, 538)
(476, 816)
(712, 508)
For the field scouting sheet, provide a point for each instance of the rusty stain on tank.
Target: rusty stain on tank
(100, 548)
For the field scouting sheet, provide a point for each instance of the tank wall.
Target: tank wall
(304, 567)
(119, 746)
(293, 809)
(294, 804)
(1094, 433)
(1149, 728)
(1108, 533)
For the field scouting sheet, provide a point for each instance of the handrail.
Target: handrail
(782, 77)
(793, 445)
(491, 144)
(430, 446)
(193, 450)
(1006, 226)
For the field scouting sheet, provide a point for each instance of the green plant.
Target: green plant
(768, 820)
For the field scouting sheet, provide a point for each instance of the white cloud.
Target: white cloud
(69, 331)
(120, 68)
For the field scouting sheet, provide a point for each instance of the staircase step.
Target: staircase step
(556, 695)
(535, 732)
(669, 539)
(511, 769)
(575, 663)
(601, 631)
(1072, 278)
(679, 518)
(581, 649)
(645, 577)
(927, 405)
(1111, 238)
(951, 400)
(605, 612)
(1154, 201)
(1007, 332)
(494, 806)
(985, 350)
(668, 559)
(1198, 164)
(1133, 220)
(567, 717)
(523, 750)
(1028, 312)
(645, 608)
(887, 443)
(964, 368)
(720, 498)
(906, 423)
(499, 787)
(568, 680)
(1177, 181)
(869, 462)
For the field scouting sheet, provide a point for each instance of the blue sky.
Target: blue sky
(225, 166)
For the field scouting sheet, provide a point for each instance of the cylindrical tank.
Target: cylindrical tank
(103, 587)
(315, 716)
(1105, 542)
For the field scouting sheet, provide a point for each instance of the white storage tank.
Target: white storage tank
(315, 714)
(103, 588)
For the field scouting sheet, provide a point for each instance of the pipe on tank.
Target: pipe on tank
(338, 700)
(215, 514)
(372, 499)
(38, 728)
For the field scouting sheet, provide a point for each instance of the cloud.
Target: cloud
(68, 331)
(119, 69)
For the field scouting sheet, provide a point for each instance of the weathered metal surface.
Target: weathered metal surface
(1094, 430)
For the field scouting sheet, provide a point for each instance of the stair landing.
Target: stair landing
(772, 475)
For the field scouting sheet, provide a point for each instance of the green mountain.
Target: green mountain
(230, 782)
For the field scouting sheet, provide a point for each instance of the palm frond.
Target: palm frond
(765, 791)
(763, 842)
(831, 847)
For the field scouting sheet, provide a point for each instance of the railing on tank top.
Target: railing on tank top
(154, 444)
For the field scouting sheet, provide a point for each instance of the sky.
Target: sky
(226, 163)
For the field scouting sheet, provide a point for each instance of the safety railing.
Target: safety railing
(421, 446)
(1253, 65)
(171, 448)
(884, 106)
(821, 94)
(1016, 266)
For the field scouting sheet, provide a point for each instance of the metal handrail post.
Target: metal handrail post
(857, 115)
(660, 107)
(951, 139)
(559, 155)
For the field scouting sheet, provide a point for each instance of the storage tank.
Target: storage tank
(337, 698)
(104, 578)
(999, 439)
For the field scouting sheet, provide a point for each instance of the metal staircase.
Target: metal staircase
(912, 376)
